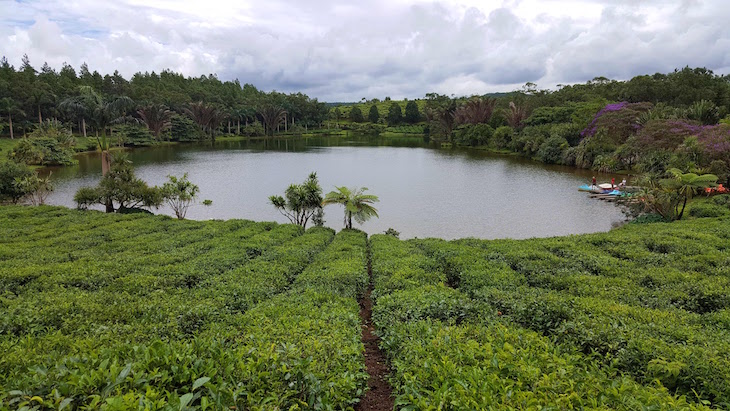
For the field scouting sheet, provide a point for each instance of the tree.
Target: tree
(476, 110)
(442, 120)
(10, 173)
(157, 118)
(50, 145)
(669, 196)
(412, 115)
(119, 186)
(357, 204)
(373, 114)
(706, 112)
(36, 189)
(395, 115)
(9, 107)
(105, 111)
(301, 202)
(74, 108)
(272, 116)
(356, 115)
(336, 114)
(206, 116)
(179, 194)
(515, 115)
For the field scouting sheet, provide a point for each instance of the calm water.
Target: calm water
(424, 191)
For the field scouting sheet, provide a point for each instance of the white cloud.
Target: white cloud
(344, 51)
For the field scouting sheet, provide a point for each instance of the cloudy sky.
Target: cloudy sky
(347, 50)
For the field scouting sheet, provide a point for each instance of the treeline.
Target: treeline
(647, 125)
(168, 104)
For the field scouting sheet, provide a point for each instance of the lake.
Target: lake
(424, 191)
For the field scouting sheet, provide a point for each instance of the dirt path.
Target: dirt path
(380, 394)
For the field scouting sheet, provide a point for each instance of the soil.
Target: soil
(379, 395)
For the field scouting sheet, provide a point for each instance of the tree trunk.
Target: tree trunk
(40, 118)
(229, 127)
(83, 124)
(286, 124)
(10, 121)
(238, 127)
(105, 162)
(684, 204)
(105, 166)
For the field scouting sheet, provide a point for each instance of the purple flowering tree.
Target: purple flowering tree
(619, 120)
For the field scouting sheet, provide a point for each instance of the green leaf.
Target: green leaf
(185, 400)
(199, 382)
(65, 403)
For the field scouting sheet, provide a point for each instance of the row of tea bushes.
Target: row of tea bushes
(684, 265)
(158, 298)
(450, 352)
(314, 329)
(627, 311)
(143, 339)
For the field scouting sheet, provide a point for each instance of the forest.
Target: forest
(646, 125)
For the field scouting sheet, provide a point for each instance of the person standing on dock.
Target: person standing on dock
(613, 183)
(593, 182)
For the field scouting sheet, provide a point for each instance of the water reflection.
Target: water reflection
(424, 191)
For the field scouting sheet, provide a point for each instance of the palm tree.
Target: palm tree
(475, 111)
(74, 108)
(157, 118)
(206, 116)
(687, 185)
(272, 116)
(515, 115)
(357, 203)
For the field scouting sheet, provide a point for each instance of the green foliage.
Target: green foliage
(159, 312)
(36, 189)
(503, 137)
(412, 114)
(552, 151)
(668, 197)
(644, 298)
(474, 135)
(357, 204)
(550, 115)
(373, 114)
(395, 115)
(48, 145)
(705, 209)
(10, 174)
(133, 136)
(302, 202)
(182, 128)
(179, 194)
(464, 345)
(356, 115)
(121, 187)
(366, 128)
(123, 310)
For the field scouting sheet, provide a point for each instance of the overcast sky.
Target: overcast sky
(347, 50)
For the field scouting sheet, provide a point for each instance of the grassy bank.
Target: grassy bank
(121, 311)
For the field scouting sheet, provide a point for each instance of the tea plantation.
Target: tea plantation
(120, 312)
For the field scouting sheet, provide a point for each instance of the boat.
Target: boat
(596, 189)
